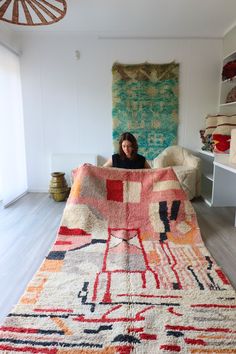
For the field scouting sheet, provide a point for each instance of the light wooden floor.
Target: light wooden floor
(219, 235)
(28, 229)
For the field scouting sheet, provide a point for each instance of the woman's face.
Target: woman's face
(127, 148)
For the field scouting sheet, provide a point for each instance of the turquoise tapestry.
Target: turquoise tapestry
(145, 103)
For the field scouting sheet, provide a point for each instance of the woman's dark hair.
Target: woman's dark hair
(131, 138)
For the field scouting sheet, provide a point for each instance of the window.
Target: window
(13, 179)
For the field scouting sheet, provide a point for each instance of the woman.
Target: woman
(128, 156)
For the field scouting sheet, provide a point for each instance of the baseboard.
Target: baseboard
(38, 190)
(14, 200)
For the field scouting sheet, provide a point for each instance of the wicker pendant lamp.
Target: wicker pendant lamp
(32, 12)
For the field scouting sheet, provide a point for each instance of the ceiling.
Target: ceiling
(144, 18)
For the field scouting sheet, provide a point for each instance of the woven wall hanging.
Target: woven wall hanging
(145, 103)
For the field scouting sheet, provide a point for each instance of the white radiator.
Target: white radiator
(68, 162)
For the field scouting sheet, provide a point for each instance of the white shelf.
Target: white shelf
(207, 191)
(229, 57)
(218, 180)
(207, 200)
(228, 104)
(218, 184)
(228, 80)
(208, 176)
(223, 162)
(228, 84)
(208, 153)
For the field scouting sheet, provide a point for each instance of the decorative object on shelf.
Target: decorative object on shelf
(145, 102)
(232, 154)
(202, 131)
(221, 143)
(208, 144)
(222, 134)
(229, 70)
(218, 133)
(32, 12)
(210, 126)
(231, 96)
(58, 187)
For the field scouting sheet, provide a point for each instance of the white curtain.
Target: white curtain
(13, 178)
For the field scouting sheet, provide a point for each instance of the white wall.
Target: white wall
(68, 102)
(8, 38)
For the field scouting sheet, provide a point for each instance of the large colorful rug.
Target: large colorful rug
(145, 102)
(128, 273)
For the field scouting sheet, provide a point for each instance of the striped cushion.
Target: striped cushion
(225, 124)
(211, 124)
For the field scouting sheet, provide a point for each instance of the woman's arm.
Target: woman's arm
(108, 163)
(146, 165)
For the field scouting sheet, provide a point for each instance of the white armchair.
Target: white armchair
(186, 166)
